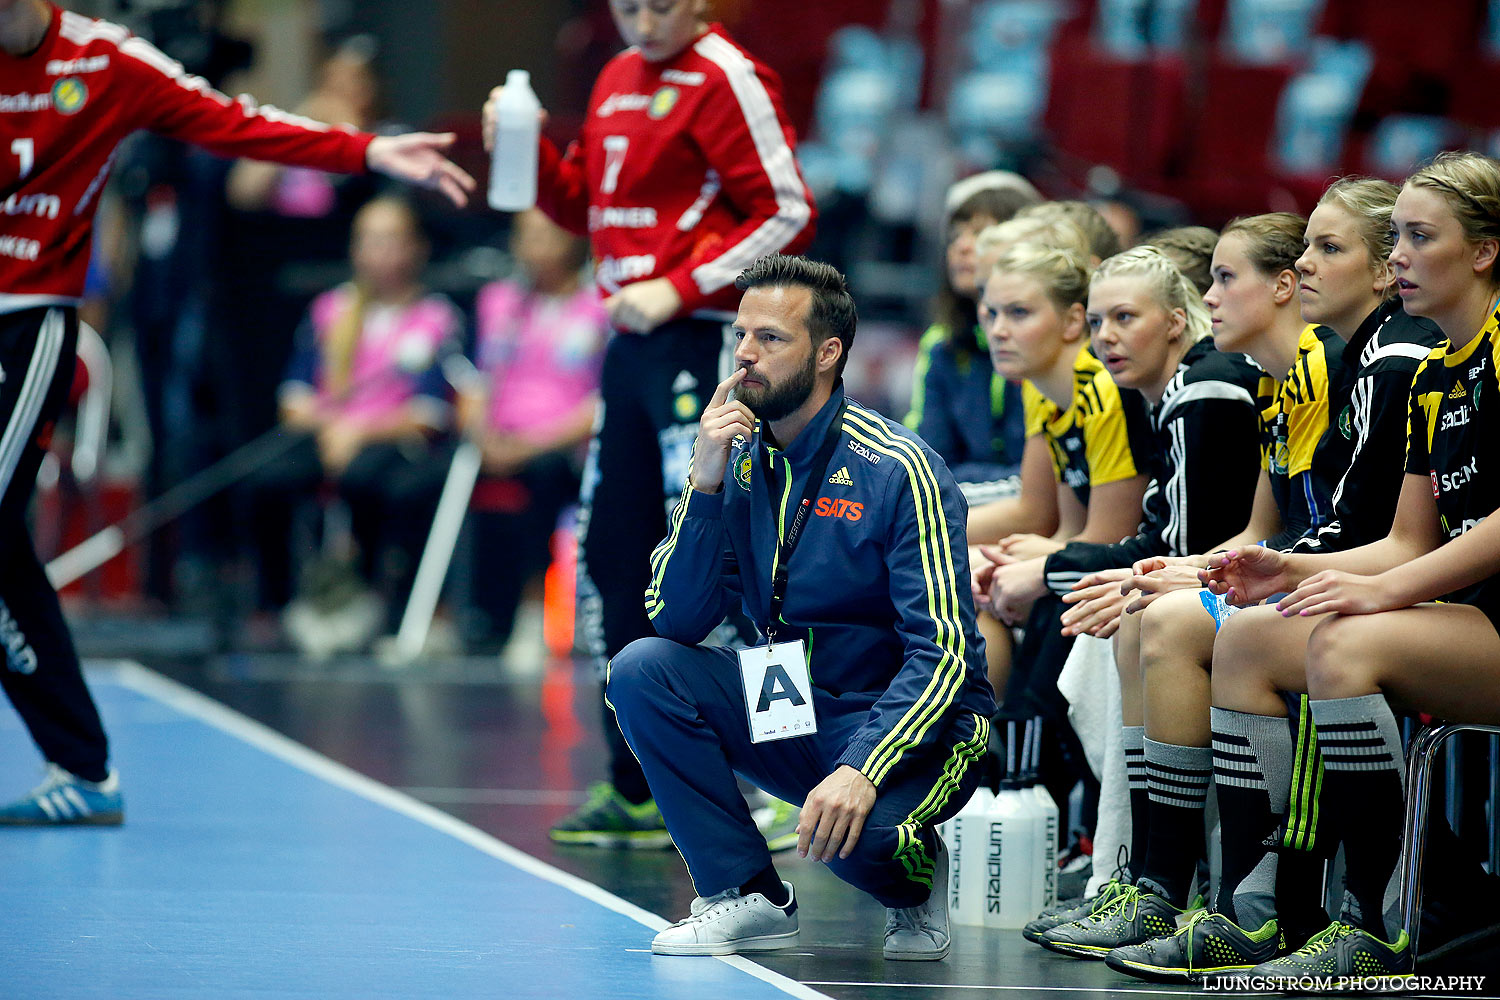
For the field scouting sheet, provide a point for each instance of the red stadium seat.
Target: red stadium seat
(1127, 115)
(1228, 161)
(1415, 71)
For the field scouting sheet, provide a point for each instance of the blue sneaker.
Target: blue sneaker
(65, 799)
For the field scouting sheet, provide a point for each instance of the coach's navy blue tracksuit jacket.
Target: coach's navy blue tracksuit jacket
(879, 590)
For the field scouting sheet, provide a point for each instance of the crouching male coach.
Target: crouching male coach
(842, 534)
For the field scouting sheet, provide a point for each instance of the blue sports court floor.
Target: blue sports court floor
(252, 867)
(333, 834)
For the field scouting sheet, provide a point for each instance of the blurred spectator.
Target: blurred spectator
(283, 238)
(1104, 242)
(365, 396)
(347, 93)
(1122, 217)
(540, 345)
(960, 407)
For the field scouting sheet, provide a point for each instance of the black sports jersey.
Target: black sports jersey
(1102, 437)
(1207, 429)
(1382, 357)
(1301, 447)
(1452, 426)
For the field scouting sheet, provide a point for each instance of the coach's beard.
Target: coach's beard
(776, 402)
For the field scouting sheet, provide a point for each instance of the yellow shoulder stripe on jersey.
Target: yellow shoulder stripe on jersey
(1307, 413)
(1428, 401)
(942, 594)
(1106, 434)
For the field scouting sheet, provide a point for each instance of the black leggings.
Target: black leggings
(512, 539)
(654, 388)
(391, 490)
(41, 675)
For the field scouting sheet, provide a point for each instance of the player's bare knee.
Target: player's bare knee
(1343, 660)
(1166, 626)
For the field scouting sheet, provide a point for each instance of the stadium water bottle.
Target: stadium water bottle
(1046, 815)
(513, 163)
(966, 838)
(1010, 843)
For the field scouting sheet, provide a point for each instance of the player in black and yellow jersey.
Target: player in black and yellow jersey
(1377, 634)
(1344, 283)
(1087, 446)
(1255, 308)
(1083, 472)
(1078, 423)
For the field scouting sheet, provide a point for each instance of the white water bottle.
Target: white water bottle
(1048, 815)
(1010, 868)
(1010, 843)
(513, 161)
(966, 839)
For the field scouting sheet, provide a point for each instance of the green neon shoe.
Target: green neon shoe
(1208, 944)
(1341, 955)
(777, 822)
(1131, 917)
(608, 820)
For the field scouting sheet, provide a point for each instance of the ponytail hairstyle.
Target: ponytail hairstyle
(342, 338)
(1171, 289)
(1191, 248)
(1369, 200)
(1470, 184)
(1063, 273)
(343, 334)
(1273, 241)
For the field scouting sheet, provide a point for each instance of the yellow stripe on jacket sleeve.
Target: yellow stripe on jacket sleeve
(661, 554)
(936, 558)
(932, 341)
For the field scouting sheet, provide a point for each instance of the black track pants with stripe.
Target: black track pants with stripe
(40, 675)
(654, 388)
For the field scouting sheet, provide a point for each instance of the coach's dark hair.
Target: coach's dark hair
(832, 313)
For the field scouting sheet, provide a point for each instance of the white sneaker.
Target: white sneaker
(728, 923)
(920, 933)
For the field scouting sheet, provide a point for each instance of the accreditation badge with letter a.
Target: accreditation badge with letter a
(778, 691)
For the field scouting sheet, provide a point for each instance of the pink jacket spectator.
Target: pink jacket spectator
(396, 361)
(540, 355)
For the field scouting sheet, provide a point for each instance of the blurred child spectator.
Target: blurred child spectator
(347, 93)
(366, 396)
(540, 344)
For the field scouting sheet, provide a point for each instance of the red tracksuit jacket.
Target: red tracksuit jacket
(684, 170)
(63, 110)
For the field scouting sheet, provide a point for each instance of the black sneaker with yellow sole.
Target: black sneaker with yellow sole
(607, 819)
(1341, 956)
(1209, 944)
(1132, 917)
